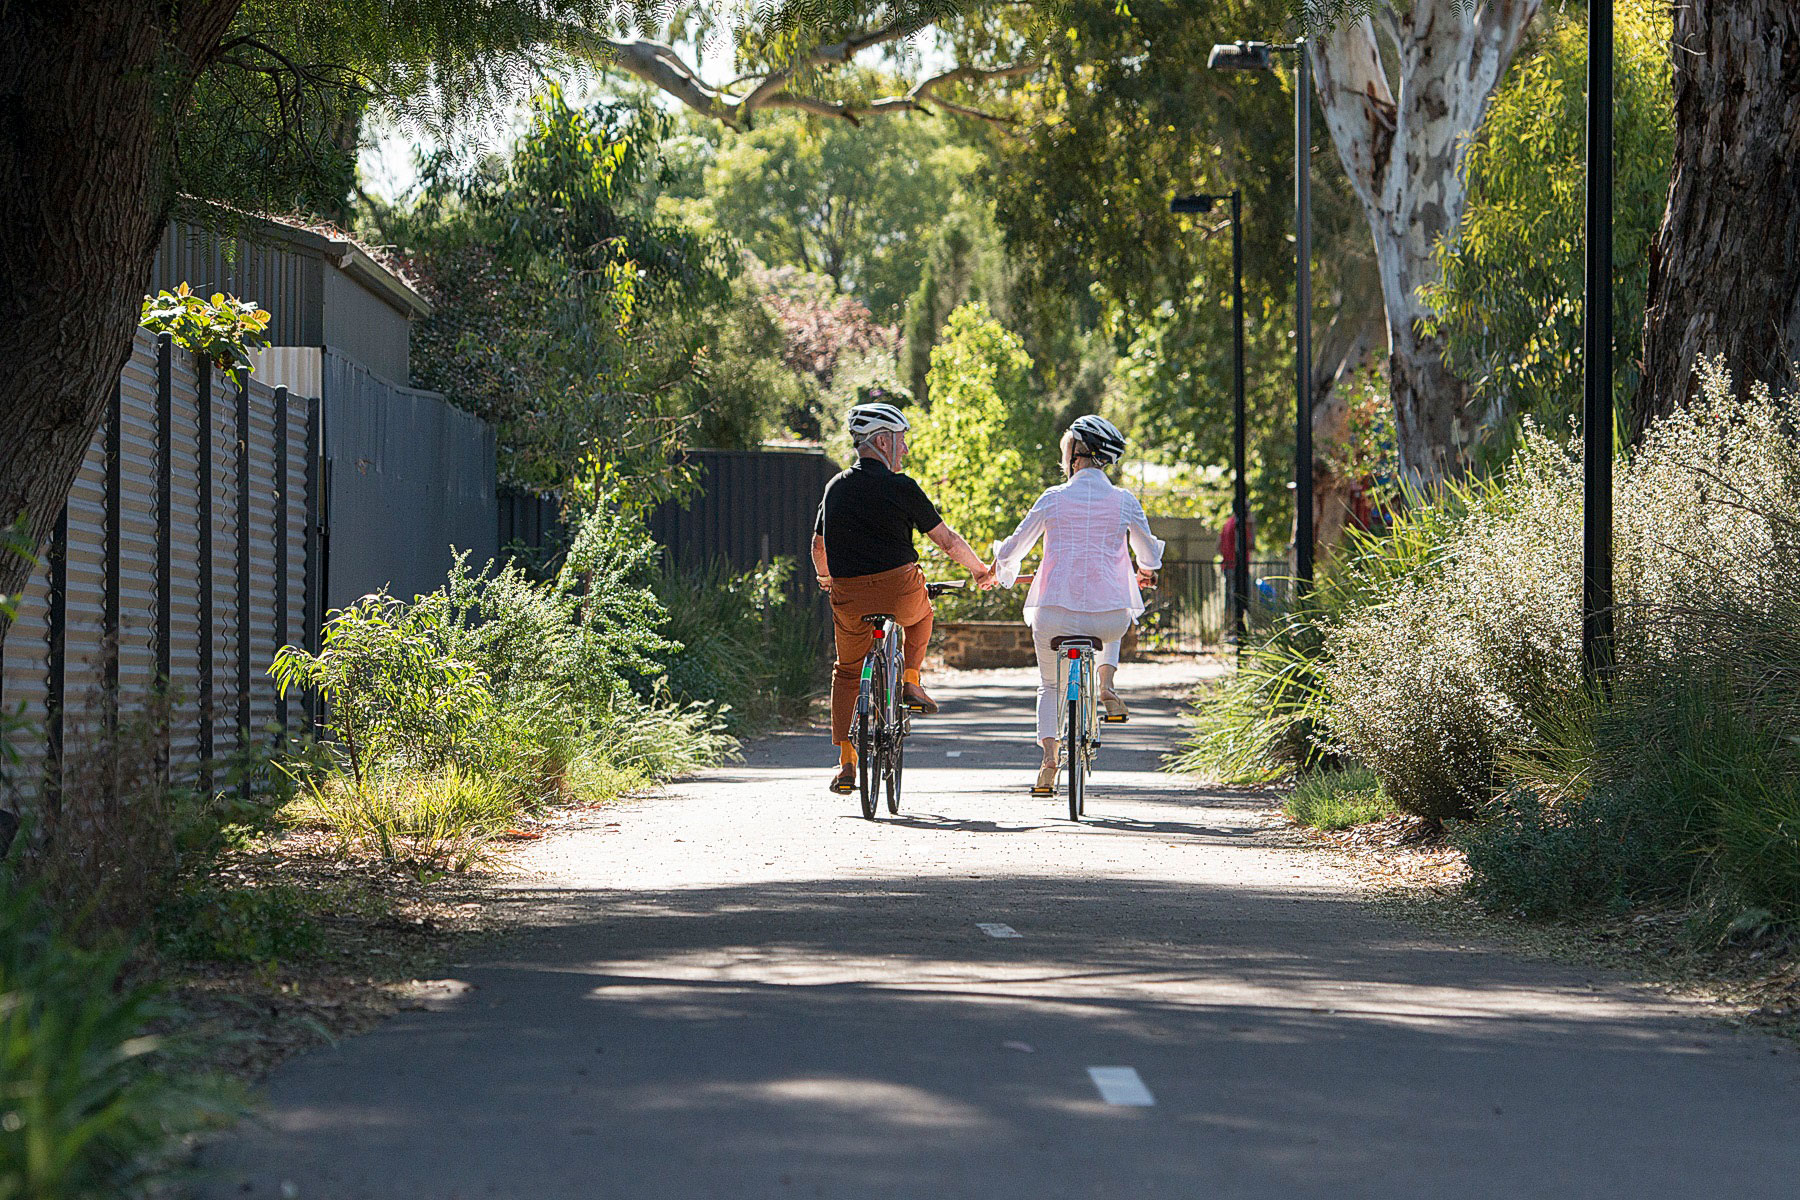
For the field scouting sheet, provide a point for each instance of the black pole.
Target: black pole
(1240, 499)
(1303, 447)
(1597, 360)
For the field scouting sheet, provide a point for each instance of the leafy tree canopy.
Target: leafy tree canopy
(566, 312)
(857, 204)
(1510, 301)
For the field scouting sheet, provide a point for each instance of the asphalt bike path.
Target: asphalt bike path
(740, 988)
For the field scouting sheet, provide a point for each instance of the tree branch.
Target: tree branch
(659, 65)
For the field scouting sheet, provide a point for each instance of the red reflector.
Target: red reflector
(1074, 654)
(880, 633)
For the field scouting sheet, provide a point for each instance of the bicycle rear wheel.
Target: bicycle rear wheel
(867, 781)
(1077, 752)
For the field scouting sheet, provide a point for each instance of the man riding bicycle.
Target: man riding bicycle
(862, 552)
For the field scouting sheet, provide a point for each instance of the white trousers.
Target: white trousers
(1051, 621)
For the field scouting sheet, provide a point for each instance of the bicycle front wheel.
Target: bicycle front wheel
(1077, 751)
(867, 781)
(896, 766)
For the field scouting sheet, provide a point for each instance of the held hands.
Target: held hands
(1146, 578)
(985, 579)
(824, 582)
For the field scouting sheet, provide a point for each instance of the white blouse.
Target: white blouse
(1087, 525)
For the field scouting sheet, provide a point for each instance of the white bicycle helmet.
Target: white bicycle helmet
(868, 419)
(1102, 438)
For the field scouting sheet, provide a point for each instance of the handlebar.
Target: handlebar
(941, 586)
(1026, 579)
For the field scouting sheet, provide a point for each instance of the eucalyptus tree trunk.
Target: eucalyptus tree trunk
(90, 92)
(1402, 152)
(1725, 266)
(1344, 348)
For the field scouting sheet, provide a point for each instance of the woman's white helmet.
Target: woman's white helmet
(865, 420)
(1102, 438)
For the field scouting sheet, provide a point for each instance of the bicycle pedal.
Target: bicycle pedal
(1038, 791)
(1114, 720)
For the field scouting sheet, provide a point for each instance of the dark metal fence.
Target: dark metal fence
(406, 477)
(1188, 609)
(751, 506)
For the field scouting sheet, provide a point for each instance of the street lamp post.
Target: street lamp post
(1597, 357)
(1257, 56)
(1240, 494)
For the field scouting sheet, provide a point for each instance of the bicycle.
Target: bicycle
(1078, 719)
(883, 719)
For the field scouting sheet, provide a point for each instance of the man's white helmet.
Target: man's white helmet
(1101, 437)
(869, 419)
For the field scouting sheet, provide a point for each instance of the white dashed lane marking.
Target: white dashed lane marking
(1121, 1085)
(996, 929)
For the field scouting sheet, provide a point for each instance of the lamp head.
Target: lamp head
(1195, 204)
(1240, 56)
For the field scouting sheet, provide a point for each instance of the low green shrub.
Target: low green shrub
(746, 643)
(92, 1102)
(1262, 721)
(1337, 799)
(209, 922)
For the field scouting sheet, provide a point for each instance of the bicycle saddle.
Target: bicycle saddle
(877, 618)
(1075, 639)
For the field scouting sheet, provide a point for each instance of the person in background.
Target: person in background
(1086, 582)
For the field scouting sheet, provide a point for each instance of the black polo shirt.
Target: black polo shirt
(868, 516)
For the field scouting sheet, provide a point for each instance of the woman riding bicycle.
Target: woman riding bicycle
(1086, 583)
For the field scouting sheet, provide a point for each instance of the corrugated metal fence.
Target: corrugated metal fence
(182, 555)
(198, 540)
(409, 477)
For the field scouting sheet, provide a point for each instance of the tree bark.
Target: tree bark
(89, 92)
(1402, 154)
(1725, 266)
(1348, 342)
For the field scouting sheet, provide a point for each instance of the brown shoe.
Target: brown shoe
(915, 698)
(844, 782)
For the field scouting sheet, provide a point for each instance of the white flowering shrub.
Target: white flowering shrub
(1458, 671)
(1454, 659)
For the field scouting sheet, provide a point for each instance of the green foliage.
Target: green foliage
(985, 449)
(496, 694)
(393, 686)
(565, 311)
(211, 922)
(1509, 301)
(1264, 721)
(746, 643)
(744, 393)
(1337, 799)
(1475, 628)
(91, 1102)
(440, 819)
(222, 330)
(274, 123)
(853, 203)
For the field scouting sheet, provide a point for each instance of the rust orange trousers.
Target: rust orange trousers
(899, 593)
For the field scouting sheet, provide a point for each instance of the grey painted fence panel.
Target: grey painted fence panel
(408, 478)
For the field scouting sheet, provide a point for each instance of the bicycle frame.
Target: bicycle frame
(1075, 747)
